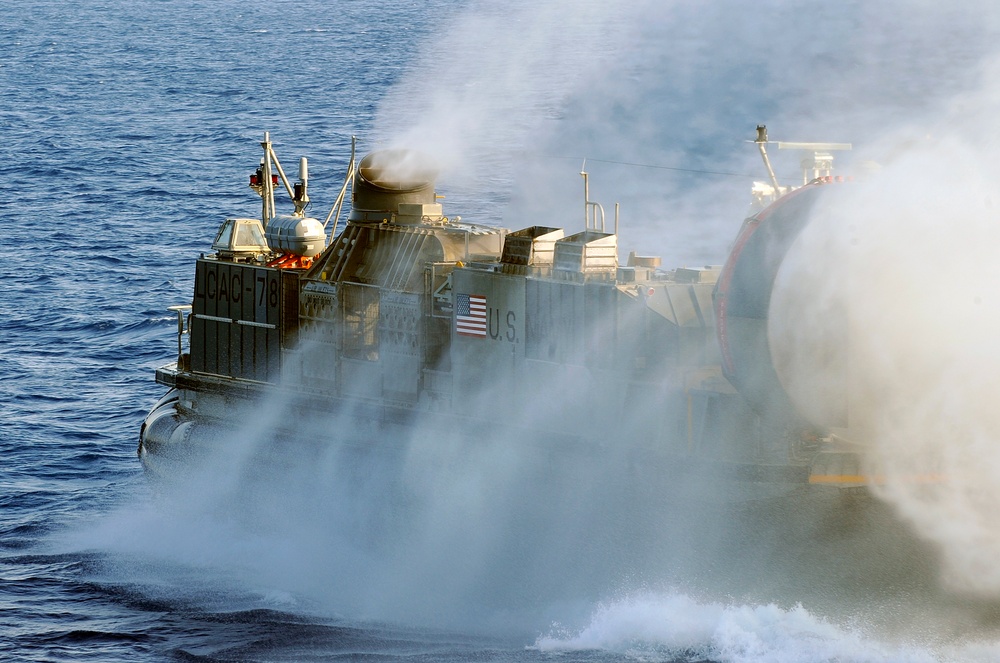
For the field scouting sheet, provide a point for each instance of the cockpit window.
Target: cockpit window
(249, 235)
(225, 234)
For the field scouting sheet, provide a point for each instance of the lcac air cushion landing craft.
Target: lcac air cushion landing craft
(409, 318)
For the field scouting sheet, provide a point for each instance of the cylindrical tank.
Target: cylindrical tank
(298, 235)
(387, 178)
(758, 355)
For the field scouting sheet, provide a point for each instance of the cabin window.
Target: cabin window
(248, 234)
(225, 234)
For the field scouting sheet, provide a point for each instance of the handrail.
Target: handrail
(183, 327)
(338, 204)
(593, 212)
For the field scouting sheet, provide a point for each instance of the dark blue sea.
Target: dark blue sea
(128, 130)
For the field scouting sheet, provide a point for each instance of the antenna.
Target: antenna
(263, 181)
(816, 157)
(761, 142)
(300, 198)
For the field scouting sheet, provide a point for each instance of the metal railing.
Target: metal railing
(183, 328)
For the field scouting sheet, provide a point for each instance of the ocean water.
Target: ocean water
(128, 131)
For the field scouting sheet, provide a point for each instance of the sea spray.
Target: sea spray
(673, 627)
(902, 263)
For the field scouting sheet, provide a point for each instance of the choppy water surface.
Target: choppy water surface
(128, 131)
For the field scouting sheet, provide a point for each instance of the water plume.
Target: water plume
(902, 265)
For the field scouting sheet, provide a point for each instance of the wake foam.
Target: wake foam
(675, 627)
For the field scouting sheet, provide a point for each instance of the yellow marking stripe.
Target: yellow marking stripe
(877, 479)
(837, 478)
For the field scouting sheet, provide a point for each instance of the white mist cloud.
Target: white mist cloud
(496, 72)
(490, 87)
(911, 257)
(512, 96)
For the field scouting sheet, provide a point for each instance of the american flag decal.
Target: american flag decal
(470, 315)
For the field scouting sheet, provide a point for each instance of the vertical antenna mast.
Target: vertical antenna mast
(761, 142)
(267, 195)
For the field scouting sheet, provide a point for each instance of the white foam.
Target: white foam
(672, 627)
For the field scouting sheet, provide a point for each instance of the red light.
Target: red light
(650, 292)
(253, 180)
(274, 179)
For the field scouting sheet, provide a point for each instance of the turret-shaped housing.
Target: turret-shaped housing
(389, 179)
